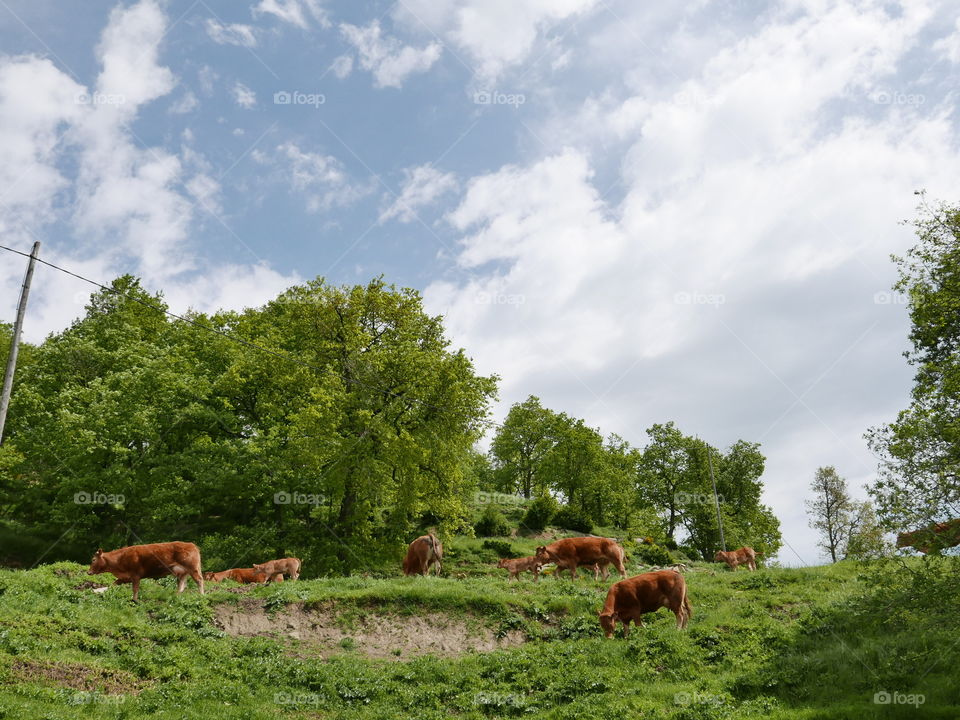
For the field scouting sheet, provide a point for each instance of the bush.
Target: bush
(653, 555)
(491, 523)
(539, 513)
(572, 519)
(502, 548)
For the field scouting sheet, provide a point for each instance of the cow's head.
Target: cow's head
(259, 569)
(502, 563)
(543, 554)
(608, 622)
(721, 556)
(98, 563)
(209, 575)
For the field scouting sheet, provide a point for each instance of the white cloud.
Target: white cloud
(495, 34)
(949, 46)
(243, 96)
(422, 186)
(728, 282)
(390, 61)
(342, 66)
(295, 12)
(186, 103)
(232, 34)
(321, 179)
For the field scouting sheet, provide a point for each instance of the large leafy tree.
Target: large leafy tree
(350, 419)
(919, 479)
(520, 445)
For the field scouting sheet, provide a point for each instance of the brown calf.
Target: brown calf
(244, 576)
(288, 566)
(628, 599)
(134, 563)
(744, 556)
(518, 565)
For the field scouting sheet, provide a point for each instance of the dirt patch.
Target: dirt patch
(376, 634)
(89, 585)
(77, 677)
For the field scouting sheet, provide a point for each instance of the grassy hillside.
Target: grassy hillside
(778, 643)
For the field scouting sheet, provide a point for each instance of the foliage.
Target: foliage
(920, 471)
(358, 420)
(492, 523)
(569, 518)
(652, 554)
(502, 548)
(539, 513)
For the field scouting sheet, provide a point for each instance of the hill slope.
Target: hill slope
(778, 643)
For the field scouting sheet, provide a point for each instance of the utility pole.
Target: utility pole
(15, 342)
(716, 500)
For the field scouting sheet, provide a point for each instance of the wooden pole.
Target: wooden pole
(15, 341)
(716, 500)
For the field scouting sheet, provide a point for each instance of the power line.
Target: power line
(241, 341)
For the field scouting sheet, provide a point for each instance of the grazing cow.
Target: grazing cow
(518, 565)
(628, 599)
(423, 552)
(570, 553)
(287, 566)
(244, 576)
(133, 564)
(932, 538)
(744, 556)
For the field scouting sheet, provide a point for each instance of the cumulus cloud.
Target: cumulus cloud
(321, 179)
(231, 34)
(422, 186)
(730, 280)
(495, 35)
(243, 96)
(390, 61)
(295, 12)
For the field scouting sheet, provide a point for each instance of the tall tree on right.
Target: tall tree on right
(919, 479)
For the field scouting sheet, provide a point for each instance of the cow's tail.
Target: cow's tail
(685, 604)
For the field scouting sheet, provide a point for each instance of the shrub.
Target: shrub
(572, 519)
(502, 548)
(539, 513)
(653, 555)
(492, 523)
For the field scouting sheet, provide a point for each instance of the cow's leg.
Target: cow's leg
(626, 626)
(136, 589)
(573, 571)
(596, 572)
(181, 581)
(197, 578)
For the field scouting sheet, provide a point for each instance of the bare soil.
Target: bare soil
(76, 677)
(375, 634)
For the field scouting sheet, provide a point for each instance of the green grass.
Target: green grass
(778, 643)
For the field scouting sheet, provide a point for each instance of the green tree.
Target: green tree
(919, 479)
(831, 511)
(520, 445)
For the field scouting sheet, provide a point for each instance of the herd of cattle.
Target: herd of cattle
(626, 600)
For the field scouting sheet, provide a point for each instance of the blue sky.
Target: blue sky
(640, 212)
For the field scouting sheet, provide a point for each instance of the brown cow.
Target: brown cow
(933, 538)
(423, 552)
(244, 576)
(627, 600)
(570, 553)
(518, 565)
(288, 566)
(733, 558)
(134, 563)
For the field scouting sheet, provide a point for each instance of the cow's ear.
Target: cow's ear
(99, 552)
